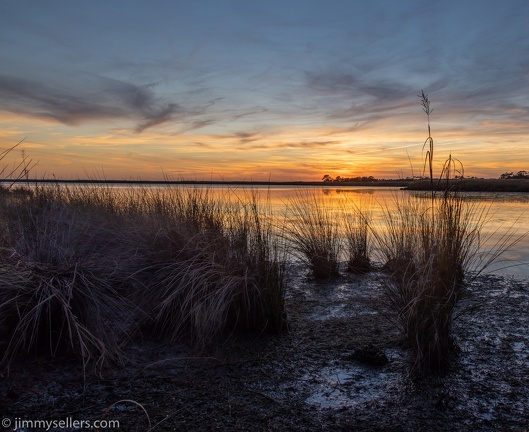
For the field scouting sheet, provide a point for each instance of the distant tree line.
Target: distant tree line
(518, 175)
(328, 178)
(368, 179)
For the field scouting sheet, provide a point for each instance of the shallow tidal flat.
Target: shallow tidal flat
(340, 367)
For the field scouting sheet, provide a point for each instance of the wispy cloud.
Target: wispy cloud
(106, 99)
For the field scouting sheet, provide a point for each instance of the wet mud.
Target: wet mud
(340, 367)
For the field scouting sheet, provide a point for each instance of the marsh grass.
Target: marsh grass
(429, 246)
(58, 285)
(81, 265)
(356, 222)
(313, 231)
(430, 253)
(17, 170)
(215, 268)
(432, 247)
(264, 254)
(397, 240)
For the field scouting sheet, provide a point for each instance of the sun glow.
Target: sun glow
(301, 152)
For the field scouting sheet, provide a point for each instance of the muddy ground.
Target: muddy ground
(340, 367)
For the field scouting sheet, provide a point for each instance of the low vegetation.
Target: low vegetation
(432, 246)
(60, 278)
(85, 269)
(473, 185)
(356, 222)
(80, 266)
(212, 267)
(429, 250)
(313, 231)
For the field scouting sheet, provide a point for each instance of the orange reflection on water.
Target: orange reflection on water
(502, 217)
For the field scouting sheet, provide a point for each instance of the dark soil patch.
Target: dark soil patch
(340, 367)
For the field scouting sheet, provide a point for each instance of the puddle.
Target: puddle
(339, 387)
(349, 296)
(322, 313)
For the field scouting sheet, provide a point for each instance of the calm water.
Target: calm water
(505, 213)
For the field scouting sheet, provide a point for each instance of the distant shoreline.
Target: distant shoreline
(472, 185)
(377, 183)
(463, 185)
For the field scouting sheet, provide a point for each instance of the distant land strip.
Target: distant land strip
(463, 185)
(376, 183)
(472, 185)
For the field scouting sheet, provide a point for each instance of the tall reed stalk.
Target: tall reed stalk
(17, 170)
(428, 160)
(430, 246)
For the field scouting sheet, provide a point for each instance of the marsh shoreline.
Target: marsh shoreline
(462, 185)
(377, 183)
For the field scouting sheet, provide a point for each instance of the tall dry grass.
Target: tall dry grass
(214, 267)
(81, 265)
(356, 221)
(16, 170)
(432, 247)
(60, 272)
(428, 247)
(313, 231)
(430, 253)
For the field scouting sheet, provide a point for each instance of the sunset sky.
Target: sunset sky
(259, 90)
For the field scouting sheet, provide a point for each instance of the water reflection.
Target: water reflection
(506, 213)
(506, 216)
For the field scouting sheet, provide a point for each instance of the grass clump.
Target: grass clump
(313, 232)
(357, 241)
(212, 266)
(58, 283)
(80, 265)
(430, 244)
(429, 253)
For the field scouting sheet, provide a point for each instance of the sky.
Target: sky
(263, 90)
